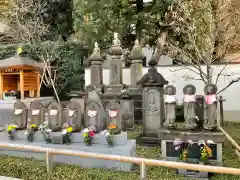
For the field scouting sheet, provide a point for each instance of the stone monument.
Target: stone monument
(153, 101)
(136, 56)
(96, 70)
(189, 106)
(55, 116)
(95, 113)
(127, 107)
(114, 114)
(115, 72)
(210, 113)
(170, 106)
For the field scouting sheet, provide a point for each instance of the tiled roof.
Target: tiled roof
(18, 61)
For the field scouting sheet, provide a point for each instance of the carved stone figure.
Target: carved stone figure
(55, 120)
(189, 106)
(36, 112)
(95, 113)
(114, 114)
(74, 115)
(210, 113)
(170, 106)
(152, 107)
(21, 114)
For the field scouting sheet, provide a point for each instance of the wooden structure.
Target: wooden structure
(20, 74)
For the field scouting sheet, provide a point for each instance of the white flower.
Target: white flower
(92, 128)
(45, 122)
(48, 130)
(201, 143)
(107, 134)
(177, 142)
(196, 118)
(210, 142)
(86, 130)
(104, 132)
(190, 142)
(64, 131)
(177, 148)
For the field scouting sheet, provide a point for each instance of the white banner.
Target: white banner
(71, 113)
(53, 112)
(112, 113)
(92, 113)
(35, 112)
(18, 111)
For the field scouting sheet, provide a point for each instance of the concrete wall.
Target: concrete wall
(181, 76)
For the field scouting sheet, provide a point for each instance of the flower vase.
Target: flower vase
(30, 137)
(11, 137)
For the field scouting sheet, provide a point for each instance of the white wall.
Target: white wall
(179, 77)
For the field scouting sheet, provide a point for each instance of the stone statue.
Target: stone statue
(170, 106)
(189, 106)
(116, 41)
(152, 106)
(210, 113)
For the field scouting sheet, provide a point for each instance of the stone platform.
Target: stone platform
(122, 147)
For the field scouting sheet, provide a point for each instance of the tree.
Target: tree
(204, 32)
(25, 21)
(97, 20)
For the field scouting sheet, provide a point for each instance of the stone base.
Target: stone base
(122, 146)
(126, 150)
(150, 138)
(193, 174)
(168, 152)
(116, 88)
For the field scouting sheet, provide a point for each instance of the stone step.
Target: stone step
(126, 150)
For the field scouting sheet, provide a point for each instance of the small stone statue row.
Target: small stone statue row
(95, 115)
(189, 91)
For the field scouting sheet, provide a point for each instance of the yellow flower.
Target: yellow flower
(209, 151)
(33, 126)
(69, 129)
(85, 134)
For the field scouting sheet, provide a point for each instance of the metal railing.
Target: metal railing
(140, 161)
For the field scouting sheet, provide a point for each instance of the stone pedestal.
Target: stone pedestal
(167, 149)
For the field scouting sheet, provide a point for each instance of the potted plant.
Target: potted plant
(31, 130)
(11, 131)
(45, 130)
(109, 133)
(205, 151)
(88, 134)
(67, 132)
(9, 95)
(183, 147)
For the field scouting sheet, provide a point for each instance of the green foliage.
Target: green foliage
(66, 58)
(97, 20)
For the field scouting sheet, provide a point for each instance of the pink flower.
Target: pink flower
(91, 133)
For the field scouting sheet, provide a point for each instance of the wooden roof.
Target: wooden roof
(19, 61)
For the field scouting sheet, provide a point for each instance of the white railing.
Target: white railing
(140, 161)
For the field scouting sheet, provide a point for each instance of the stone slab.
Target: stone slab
(165, 134)
(119, 140)
(168, 152)
(127, 150)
